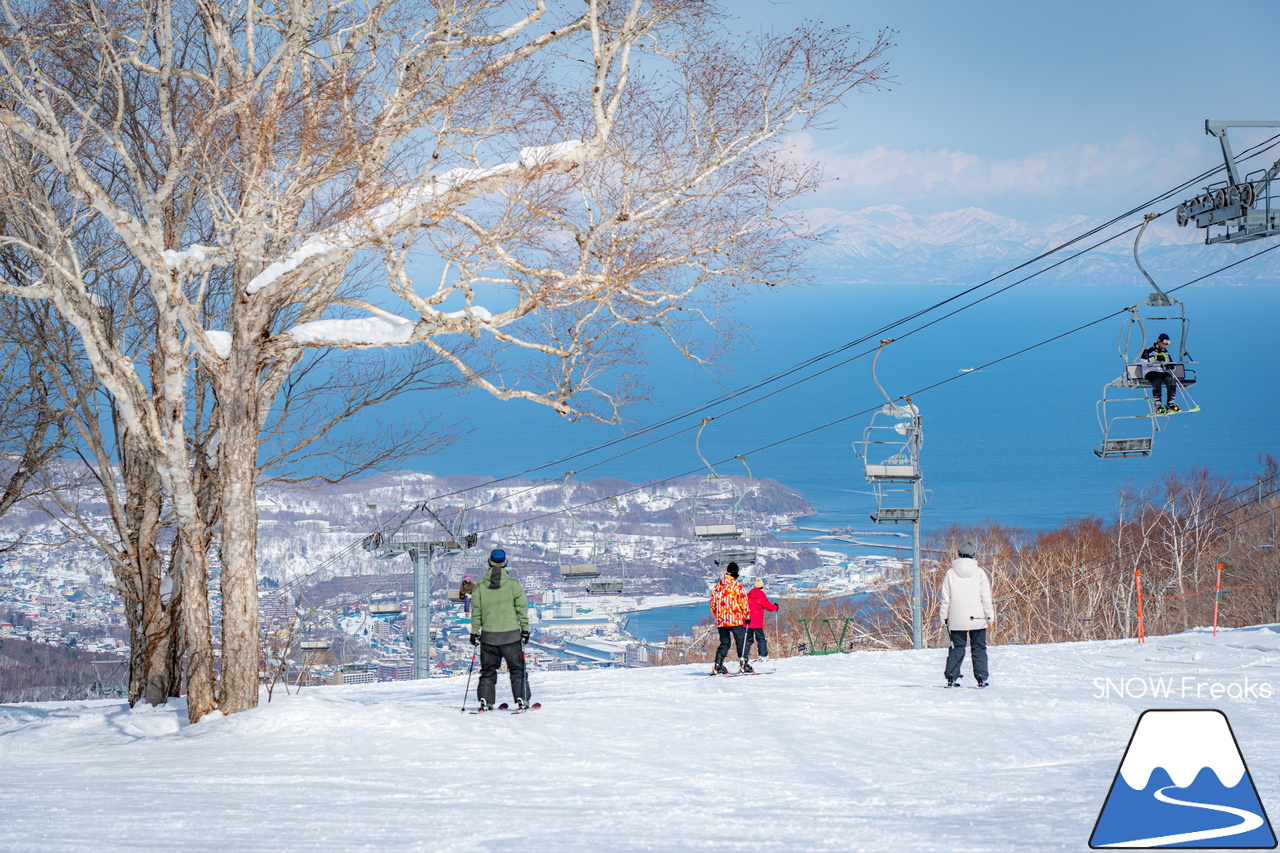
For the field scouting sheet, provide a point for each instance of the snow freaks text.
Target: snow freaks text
(1183, 687)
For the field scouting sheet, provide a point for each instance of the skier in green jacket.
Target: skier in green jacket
(500, 626)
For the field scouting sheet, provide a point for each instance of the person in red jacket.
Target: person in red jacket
(730, 609)
(758, 603)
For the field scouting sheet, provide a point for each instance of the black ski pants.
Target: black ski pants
(736, 634)
(491, 657)
(1160, 379)
(977, 640)
(756, 635)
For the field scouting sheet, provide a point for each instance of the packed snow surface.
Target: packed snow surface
(862, 752)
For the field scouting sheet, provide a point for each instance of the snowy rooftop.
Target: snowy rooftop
(844, 752)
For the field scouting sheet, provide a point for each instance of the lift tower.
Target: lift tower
(445, 534)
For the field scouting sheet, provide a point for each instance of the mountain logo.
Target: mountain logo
(1183, 783)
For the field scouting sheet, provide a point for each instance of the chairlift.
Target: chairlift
(609, 587)
(718, 516)
(1270, 546)
(382, 599)
(610, 560)
(890, 453)
(384, 605)
(1127, 411)
(572, 536)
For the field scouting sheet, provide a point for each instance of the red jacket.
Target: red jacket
(759, 603)
(729, 603)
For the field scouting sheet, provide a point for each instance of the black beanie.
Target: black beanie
(731, 570)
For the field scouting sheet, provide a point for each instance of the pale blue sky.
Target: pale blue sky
(1040, 109)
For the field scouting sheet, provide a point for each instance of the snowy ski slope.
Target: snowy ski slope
(862, 752)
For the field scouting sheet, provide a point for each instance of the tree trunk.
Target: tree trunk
(238, 471)
(197, 638)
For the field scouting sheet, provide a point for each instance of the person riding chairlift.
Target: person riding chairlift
(1155, 361)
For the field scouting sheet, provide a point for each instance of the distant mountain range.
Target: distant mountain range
(888, 244)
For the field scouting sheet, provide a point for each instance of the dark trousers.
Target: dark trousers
(491, 657)
(756, 635)
(1165, 380)
(737, 633)
(977, 640)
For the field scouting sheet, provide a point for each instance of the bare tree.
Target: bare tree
(589, 170)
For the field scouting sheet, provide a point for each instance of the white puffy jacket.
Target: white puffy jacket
(966, 596)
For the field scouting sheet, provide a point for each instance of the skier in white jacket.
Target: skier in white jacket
(966, 613)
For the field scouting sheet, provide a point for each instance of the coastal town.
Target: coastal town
(351, 620)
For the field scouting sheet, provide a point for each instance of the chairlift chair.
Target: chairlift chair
(718, 515)
(890, 454)
(611, 560)
(385, 606)
(1270, 546)
(570, 545)
(1126, 410)
(382, 600)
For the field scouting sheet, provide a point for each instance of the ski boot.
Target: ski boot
(746, 667)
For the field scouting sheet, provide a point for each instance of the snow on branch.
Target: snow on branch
(195, 254)
(387, 216)
(542, 154)
(375, 331)
(220, 341)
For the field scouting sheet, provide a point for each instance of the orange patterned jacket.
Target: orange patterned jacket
(729, 603)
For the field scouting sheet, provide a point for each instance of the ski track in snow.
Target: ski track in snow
(838, 752)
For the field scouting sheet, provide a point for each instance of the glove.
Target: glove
(475, 639)
(524, 637)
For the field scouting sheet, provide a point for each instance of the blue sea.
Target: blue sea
(1011, 443)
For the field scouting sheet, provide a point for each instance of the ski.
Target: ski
(505, 707)
(1166, 414)
(736, 674)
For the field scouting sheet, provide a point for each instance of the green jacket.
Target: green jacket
(499, 615)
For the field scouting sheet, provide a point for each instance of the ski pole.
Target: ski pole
(468, 688)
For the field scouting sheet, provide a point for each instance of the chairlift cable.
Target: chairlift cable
(730, 395)
(821, 427)
(867, 411)
(834, 351)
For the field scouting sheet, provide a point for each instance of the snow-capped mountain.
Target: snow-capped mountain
(889, 244)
